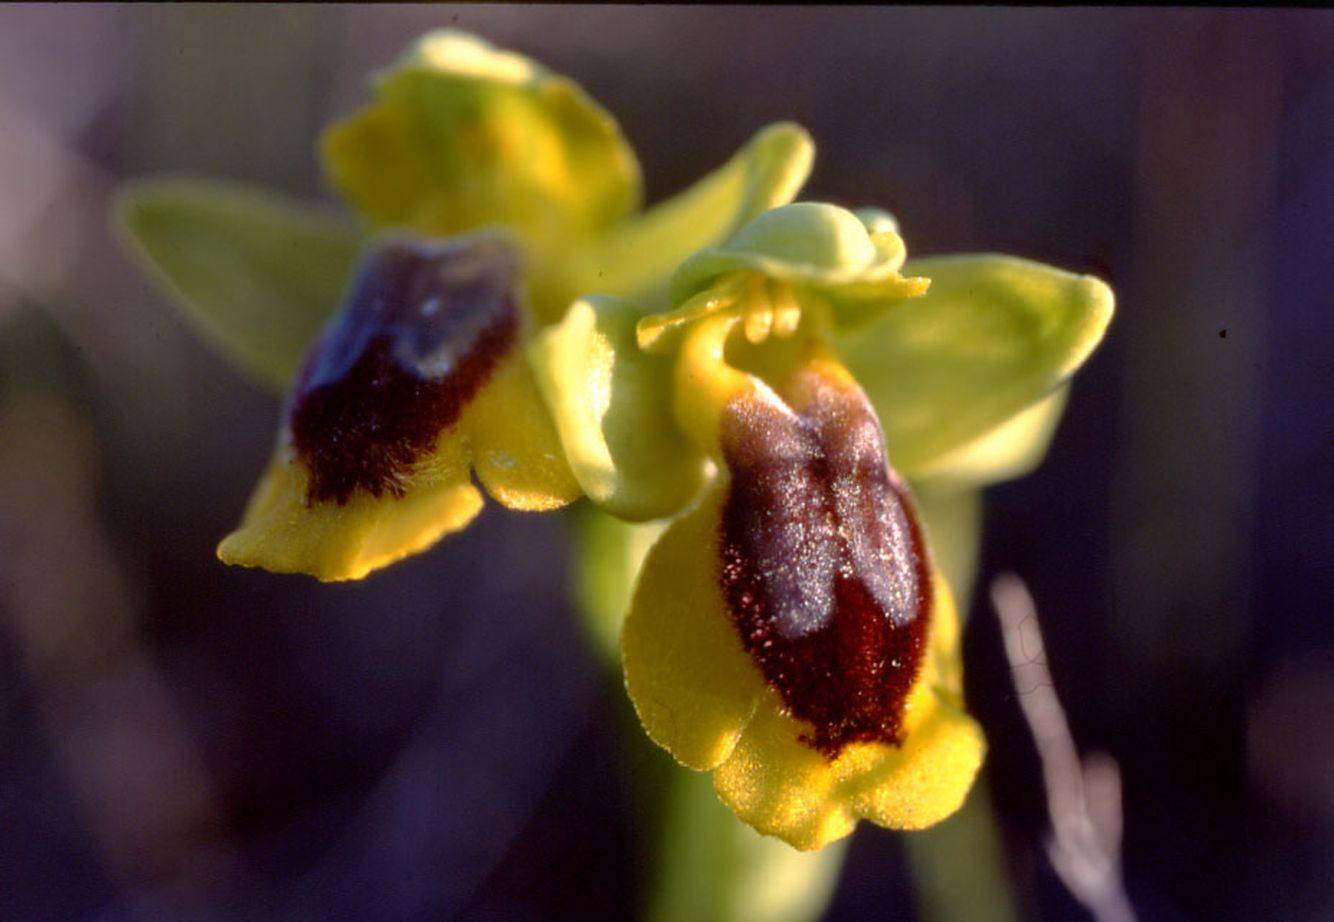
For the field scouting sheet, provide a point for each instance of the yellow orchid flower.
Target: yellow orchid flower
(793, 632)
(802, 415)
(488, 192)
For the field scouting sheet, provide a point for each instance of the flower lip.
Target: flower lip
(422, 330)
(823, 563)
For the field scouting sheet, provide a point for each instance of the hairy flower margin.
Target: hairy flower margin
(804, 409)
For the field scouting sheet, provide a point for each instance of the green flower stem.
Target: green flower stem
(703, 864)
(711, 866)
(958, 866)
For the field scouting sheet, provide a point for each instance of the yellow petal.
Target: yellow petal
(925, 780)
(943, 669)
(613, 410)
(781, 786)
(281, 533)
(784, 788)
(691, 682)
(513, 442)
(504, 435)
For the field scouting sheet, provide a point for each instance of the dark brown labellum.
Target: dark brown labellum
(423, 328)
(823, 564)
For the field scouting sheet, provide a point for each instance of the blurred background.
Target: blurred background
(183, 740)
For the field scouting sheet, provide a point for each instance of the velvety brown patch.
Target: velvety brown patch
(823, 564)
(422, 329)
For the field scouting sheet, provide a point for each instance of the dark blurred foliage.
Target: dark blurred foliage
(183, 740)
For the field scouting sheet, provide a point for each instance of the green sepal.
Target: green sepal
(1005, 452)
(257, 273)
(636, 258)
(994, 336)
(464, 135)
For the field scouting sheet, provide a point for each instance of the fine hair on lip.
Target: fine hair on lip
(423, 328)
(823, 562)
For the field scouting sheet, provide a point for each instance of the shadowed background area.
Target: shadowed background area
(186, 741)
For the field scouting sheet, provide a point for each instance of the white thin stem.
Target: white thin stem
(1083, 799)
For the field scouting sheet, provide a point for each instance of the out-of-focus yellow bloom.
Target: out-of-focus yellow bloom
(462, 142)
